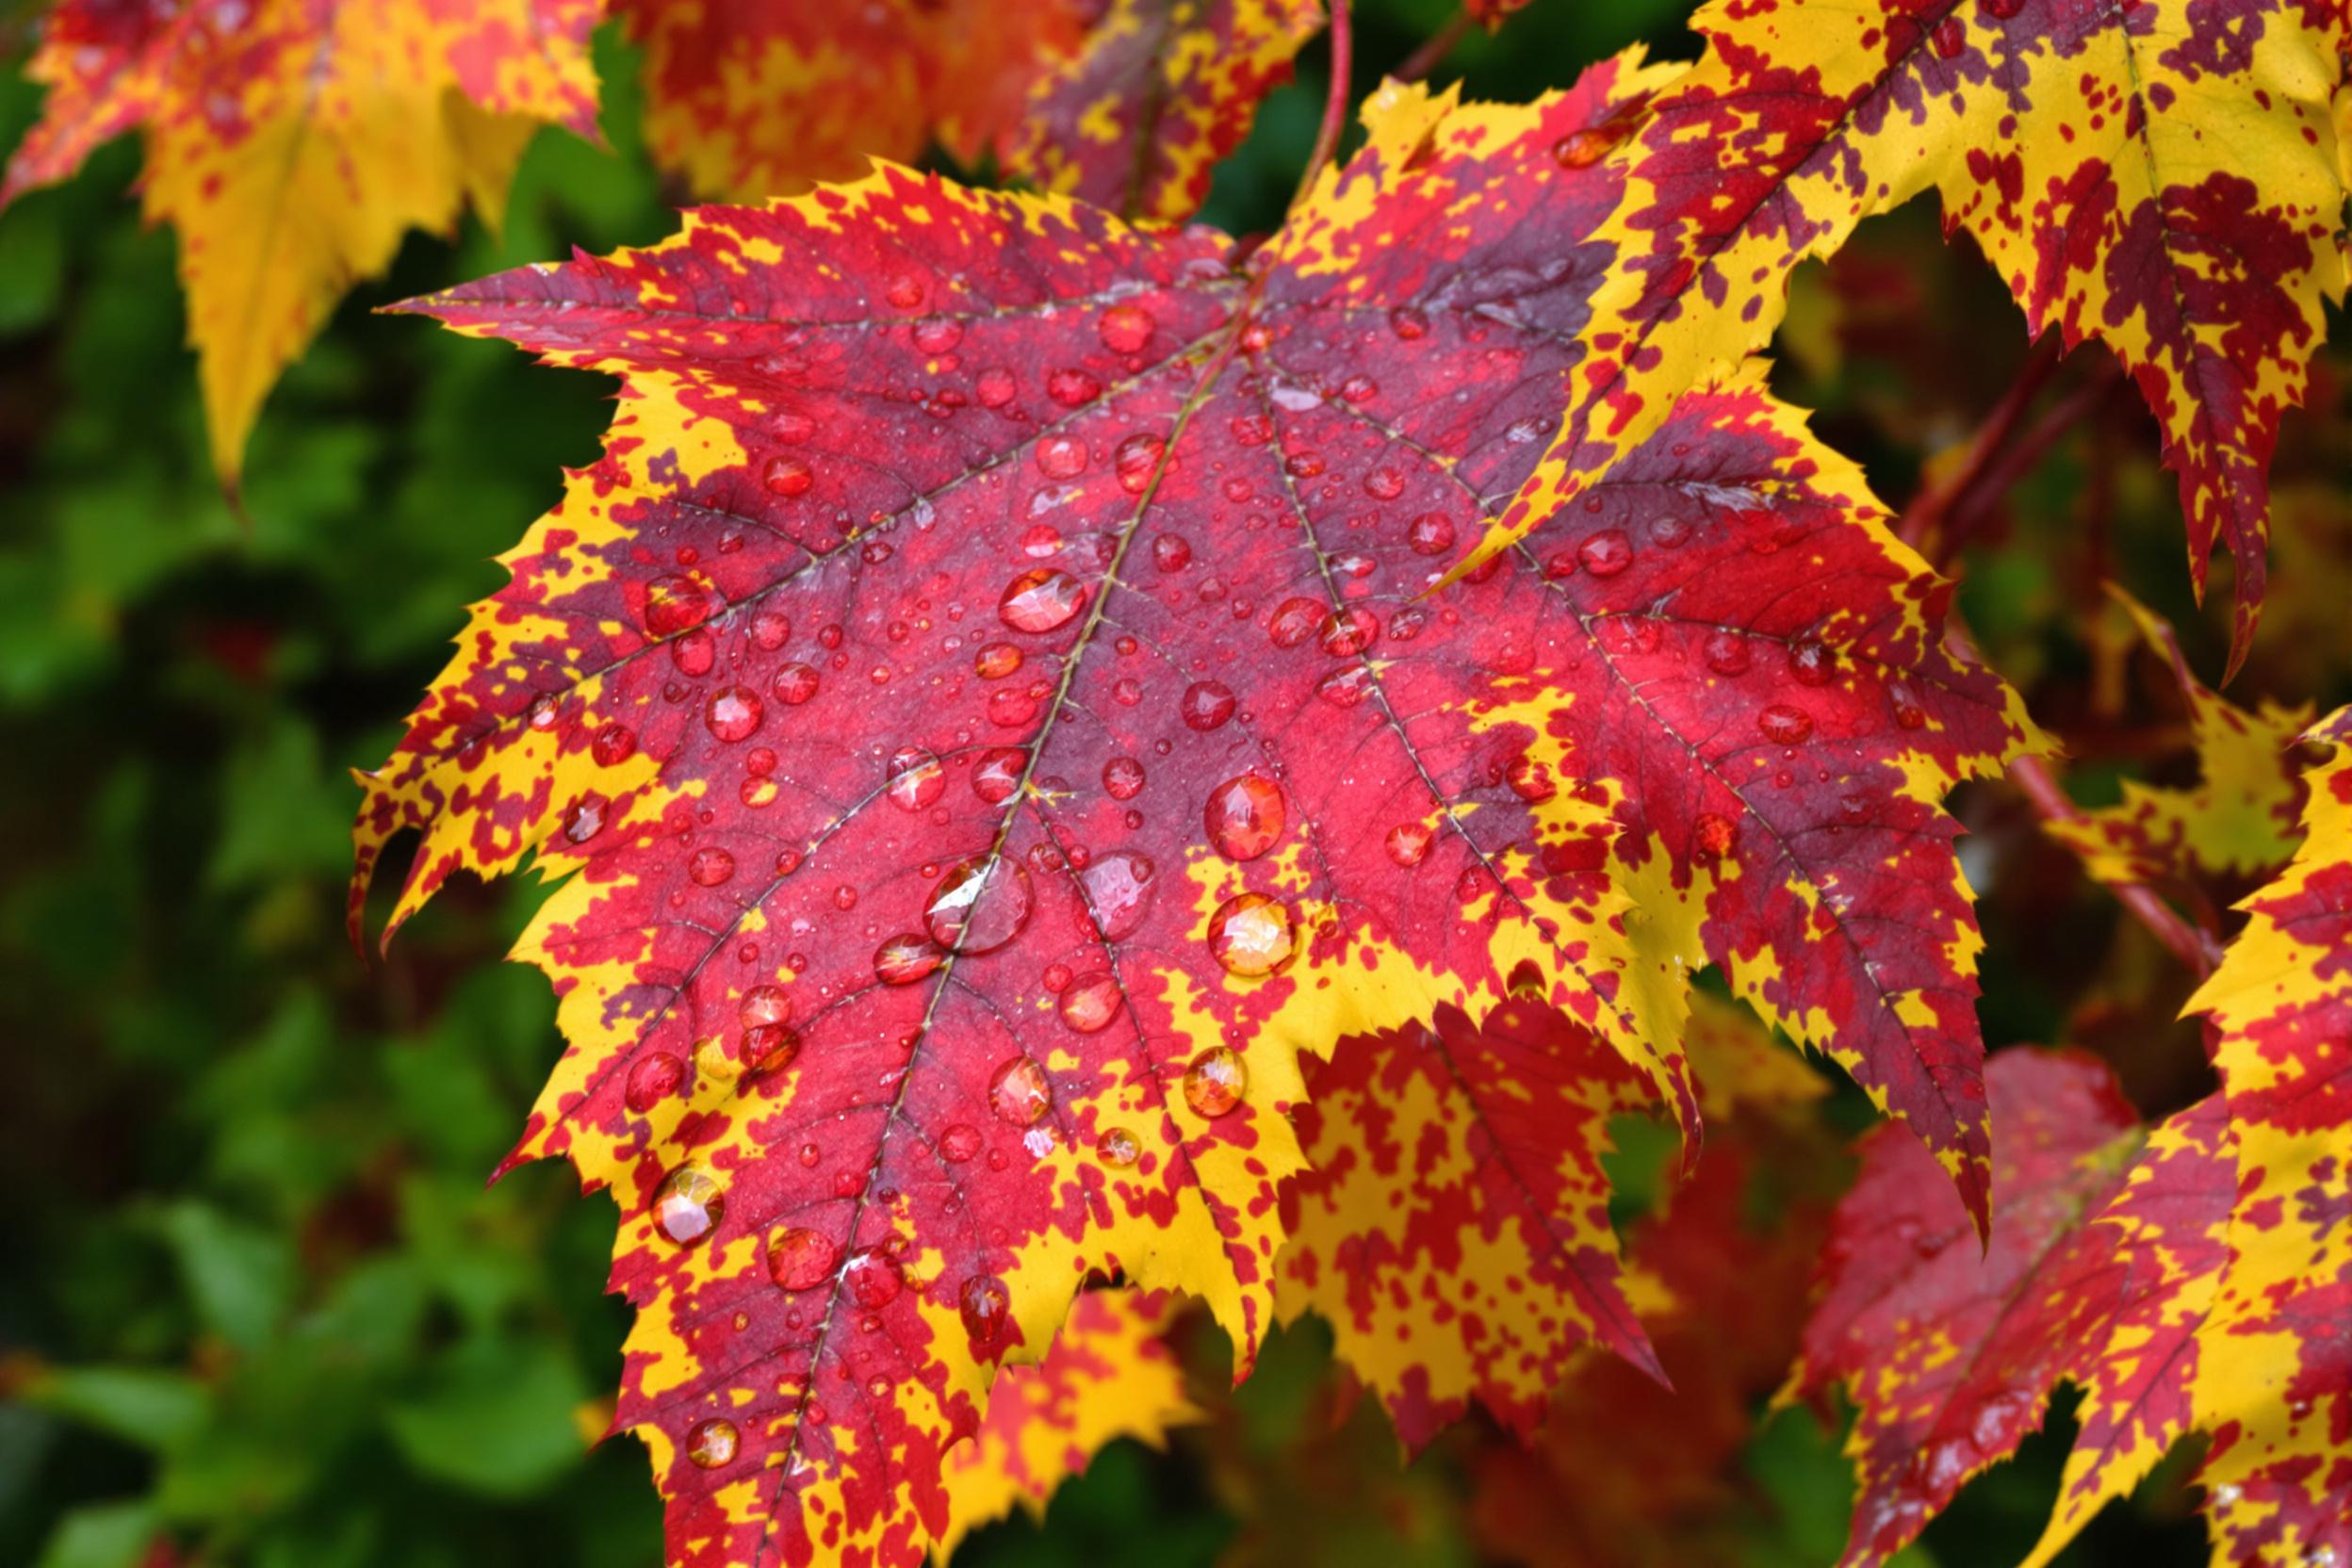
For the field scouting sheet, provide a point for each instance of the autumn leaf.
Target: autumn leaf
(984, 715)
(292, 143)
(1110, 1375)
(2237, 819)
(2164, 177)
(1158, 94)
(753, 98)
(1454, 1226)
(2275, 1386)
(2106, 1254)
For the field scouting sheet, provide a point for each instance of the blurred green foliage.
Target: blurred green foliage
(259, 1307)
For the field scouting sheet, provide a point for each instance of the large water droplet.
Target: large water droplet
(710, 866)
(732, 714)
(997, 774)
(917, 780)
(653, 1080)
(979, 906)
(1019, 1092)
(1090, 1002)
(1123, 777)
(687, 1206)
(713, 1442)
(801, 1259)
(584, 818)
(1250, 935)
(1120, 888)
(958, 1142)
(1126, 328)
(1215, 1082)
(1293, 622)
(1409, 843)
(986, 1307)
(1135, 460)
(906, 958)
(1072, 387)
(675, 604)
(1062, 456)
(1785, 725)
(1347, 631)
(1244, 816)
(762, 1006)
(1606, 553)
(1726, 652)
(1811, 664)
(1582, 148)
(874, 1278)
(1040, 599)
(613, 745)
(1205, 705)
(939, 335)
(1119, 1147)
(787, 477)
(1432, 533)
(996, 387)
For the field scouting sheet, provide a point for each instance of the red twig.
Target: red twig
(1930, 506)
(1432, 53)
(1335, 104)
(2018, 459)
(2193, 947)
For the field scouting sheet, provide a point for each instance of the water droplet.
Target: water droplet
(687, 1206)
(1293, 622)
(996, 387)
(1432, 533)
(1061, 457)
(959, 1142)
(1126, 328)
(906, 291)
(770, 1049)
(1119, 1147)
(1606, 553)
(1206, 704)
(1711, 835)
(1582, 148)
(1244, 816)
(1670, 532)
(1091, 1002)
(801, 1259)
(997, 774)
(584, 818)
(1726, 652)
(1906, 704)
(1215, 1082)
(1785, 725)
(787, 477)
(1250, 935)
(1172, 552)
(762, 1006)
(1120, 888)
(1529, 779)
(1040, 599)
(653, 1080)
(1950, 38)
(732, 714)
(1071, 388)
(1020, 1093)
(614, 743)
(713, 1442)
(1408, 842)
(1347, 631)
(939, 335)
(695, 653)
(986, 1307)
(1811, 664)
(1303, 465)
(1358, 389)
(1135, 460)
(874, 1278)
(1123, 777)
(1408, 324)
(710, 866)
(979, 906)
(1384, 485)
(906, 958)
(794, 683)
(917, 780)
(675, 604)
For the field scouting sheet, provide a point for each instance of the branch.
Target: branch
(1335, 103)
(1432, 53)
(1930, 506)
(2193, 947)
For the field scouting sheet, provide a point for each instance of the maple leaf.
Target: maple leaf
(2165, 177)
(2105, 1258)
(1454, 1226)
(983, 707)
(2275, 1385)
(752, 98)
(2239, 818)
(1110, 1375)
(1158, 94)
(292, 143)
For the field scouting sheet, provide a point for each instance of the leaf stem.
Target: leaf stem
(1930, 507)
(2193, 947)
(1334, 103)
(1432, 53)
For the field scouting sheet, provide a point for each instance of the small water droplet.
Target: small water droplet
(1785, 725)
(874, 1278)
(801, 1259)
(1123, 777)
(996, 387)
(1529, 779)
(687, 1206)
(1432, 533)
(584, 818)
(1126, 328)
(1811, 664)
(732, 714)
(1244, 816)
(1409, 843)
(1206, 704)
(710, 866)
(1119, 1147)
(1408, 324)
(1293, 622)
(1726, 652)
(939, 335)
(1250, 935)
(997, 774)
(917, 780)
(1019, 1092)
(1091, 1002)
(986, 1307)
(1061, 456)
(958, 1142)
(1215, 1081)
(1072, 387)
(1606, 553)
(788, 477)
(1040, 599)
(713, 1442)
(1582, 148)
(614, 743)
(1384, 485)
(653, 1080)
(1347, 631)
(906, 958)
(1135, 460)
